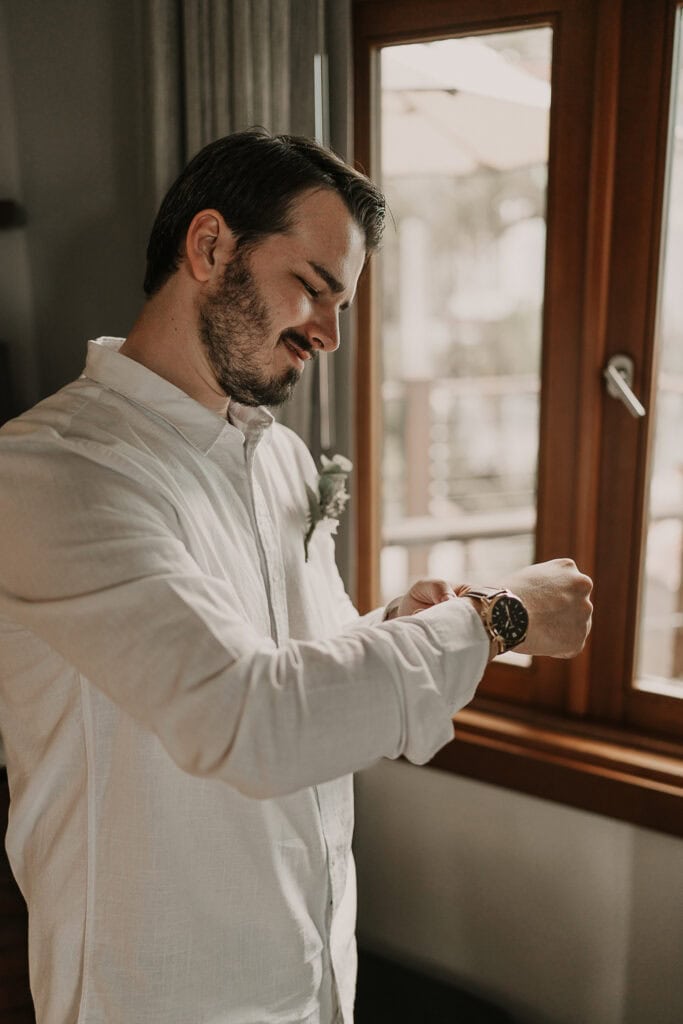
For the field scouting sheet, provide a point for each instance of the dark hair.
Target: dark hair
(252, 178)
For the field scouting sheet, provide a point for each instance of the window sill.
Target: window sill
(615, 773)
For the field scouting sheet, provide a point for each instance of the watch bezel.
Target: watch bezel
(490, 597)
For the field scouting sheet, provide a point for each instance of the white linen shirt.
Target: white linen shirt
(182, 700)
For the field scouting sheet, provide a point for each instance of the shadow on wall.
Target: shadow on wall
(16, 1006)
(8, 406)
(83, 143)
(391, 994)
(92, 286)
(655, 948)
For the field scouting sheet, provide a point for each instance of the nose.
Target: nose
(323, 333)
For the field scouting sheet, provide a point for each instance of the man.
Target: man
(184, 693)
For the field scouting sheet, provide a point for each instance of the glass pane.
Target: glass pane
(660, 649)
(464, 151)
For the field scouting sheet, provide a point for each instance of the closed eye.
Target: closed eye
(313, 292)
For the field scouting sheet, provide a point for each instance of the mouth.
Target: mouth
(299, 354)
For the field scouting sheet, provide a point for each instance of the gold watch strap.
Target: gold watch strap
(486, 595)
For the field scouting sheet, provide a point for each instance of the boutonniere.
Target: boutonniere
(329, 503)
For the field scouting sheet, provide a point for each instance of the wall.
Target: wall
(74, 116)
(16, 301)
(561, 916)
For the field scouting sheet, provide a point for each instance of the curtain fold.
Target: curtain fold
(218, 66)
(222, 65)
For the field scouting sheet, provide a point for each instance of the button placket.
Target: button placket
(269, 549)
(273, 556)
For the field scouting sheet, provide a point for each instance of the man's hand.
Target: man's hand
(421, 595)
(555, 594)
(557, 597)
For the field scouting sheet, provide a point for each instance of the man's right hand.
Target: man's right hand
(557, 597)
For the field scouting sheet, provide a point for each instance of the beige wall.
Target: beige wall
(564, 916)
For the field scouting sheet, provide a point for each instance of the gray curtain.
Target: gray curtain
(217, 66)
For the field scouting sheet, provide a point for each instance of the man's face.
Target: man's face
(278, 303)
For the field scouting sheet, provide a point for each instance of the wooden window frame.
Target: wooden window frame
(547, 731)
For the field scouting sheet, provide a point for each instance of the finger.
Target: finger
(432, 591)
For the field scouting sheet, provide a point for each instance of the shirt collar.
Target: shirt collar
(198, 425)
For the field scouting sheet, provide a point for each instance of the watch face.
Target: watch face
(510, 620)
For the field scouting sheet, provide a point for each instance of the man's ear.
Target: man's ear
(209, 245)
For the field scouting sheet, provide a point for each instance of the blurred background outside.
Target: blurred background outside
(464, 158)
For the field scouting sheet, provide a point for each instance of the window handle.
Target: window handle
(619, 376)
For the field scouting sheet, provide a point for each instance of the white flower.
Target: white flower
(337, 464)
(328, 504)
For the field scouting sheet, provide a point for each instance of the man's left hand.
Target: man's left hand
(421, 595)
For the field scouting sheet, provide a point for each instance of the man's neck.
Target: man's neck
(166, 341)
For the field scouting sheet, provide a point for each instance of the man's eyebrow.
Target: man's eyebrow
(332, 283)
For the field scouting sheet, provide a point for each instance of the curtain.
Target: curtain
(222, 65)
(217, 66)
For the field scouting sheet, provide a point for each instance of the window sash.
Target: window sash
(576, 731)
(646, 61)
(552, 685)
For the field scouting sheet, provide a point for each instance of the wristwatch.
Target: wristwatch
(504, 616)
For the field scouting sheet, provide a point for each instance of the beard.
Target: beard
(234, 326)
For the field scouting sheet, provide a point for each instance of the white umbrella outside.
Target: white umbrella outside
(454, 106)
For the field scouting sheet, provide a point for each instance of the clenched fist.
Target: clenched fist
(557, 597)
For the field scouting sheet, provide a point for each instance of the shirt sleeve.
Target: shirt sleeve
(98, 571)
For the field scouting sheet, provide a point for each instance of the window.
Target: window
(532, 156)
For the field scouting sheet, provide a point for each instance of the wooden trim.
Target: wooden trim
(566, 347)
(382, 22)
(367, 451)
(647, 42)
(652, 711)
(657, 713)
(595, 312)
(367, 434)
(610, 773)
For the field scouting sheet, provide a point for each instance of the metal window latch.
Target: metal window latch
(619, 376)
